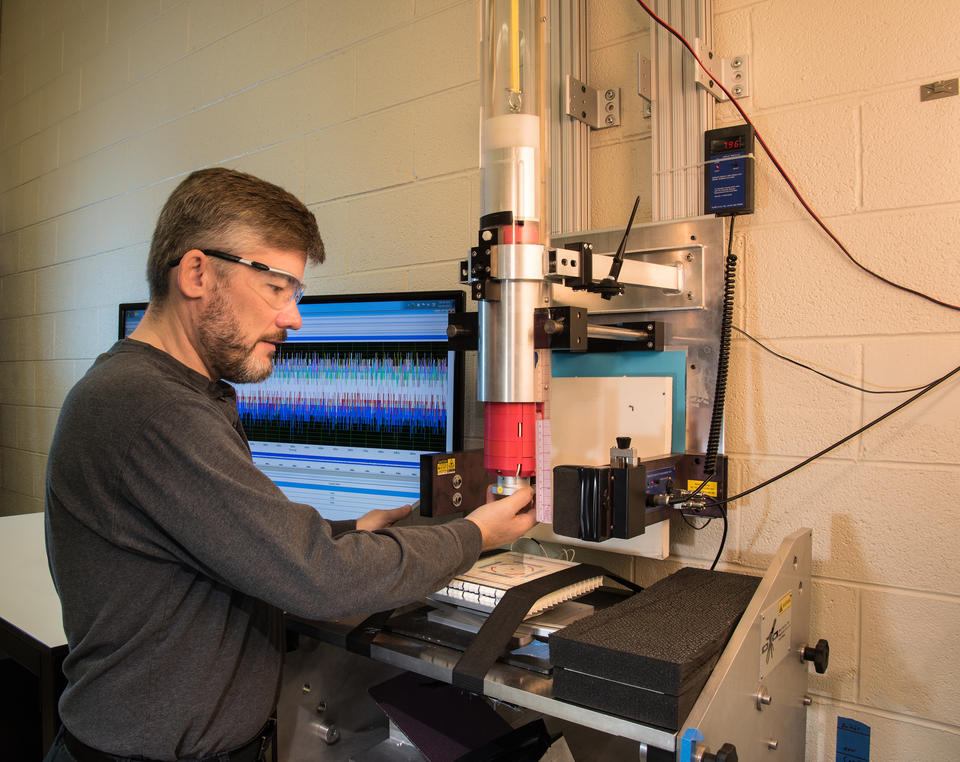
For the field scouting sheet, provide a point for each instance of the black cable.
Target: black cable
(929, 387)
(723, 537)
(783, 173)
(821, 373)
(723, 357)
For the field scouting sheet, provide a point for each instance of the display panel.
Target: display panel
(357, 395)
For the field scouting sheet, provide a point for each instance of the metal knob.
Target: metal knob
(726, 753)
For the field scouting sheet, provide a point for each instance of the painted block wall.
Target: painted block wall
(835, 91)
(367, 110)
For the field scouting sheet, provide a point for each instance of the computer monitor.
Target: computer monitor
(365, 387)
(131, 314)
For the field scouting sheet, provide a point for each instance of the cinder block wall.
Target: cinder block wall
(835, 91)
(368, 110)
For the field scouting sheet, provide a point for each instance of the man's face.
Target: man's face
(240, 325)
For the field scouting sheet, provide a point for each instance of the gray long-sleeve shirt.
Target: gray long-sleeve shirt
(174, 555)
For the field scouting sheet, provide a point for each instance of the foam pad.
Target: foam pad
(648, 657)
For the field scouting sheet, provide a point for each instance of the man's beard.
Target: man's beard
(222, 346)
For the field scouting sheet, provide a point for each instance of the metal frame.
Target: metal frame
(680, 110)
(729, 708)
(744, 703)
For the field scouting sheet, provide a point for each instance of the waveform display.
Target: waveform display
(383, 395)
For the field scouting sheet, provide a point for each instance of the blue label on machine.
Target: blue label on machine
(727, 181)
(853, 741)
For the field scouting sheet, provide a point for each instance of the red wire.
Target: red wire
(783, 172)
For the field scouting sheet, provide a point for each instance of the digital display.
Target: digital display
(726, 145)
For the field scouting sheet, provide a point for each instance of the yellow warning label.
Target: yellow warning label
(784, 603)
(710, 489)
(447, 466)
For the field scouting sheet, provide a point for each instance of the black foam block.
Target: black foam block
(665, 639)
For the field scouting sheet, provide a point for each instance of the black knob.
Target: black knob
(623, 443)
(726, 753)
(819, 655)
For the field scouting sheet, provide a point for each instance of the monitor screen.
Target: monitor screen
(356, 395)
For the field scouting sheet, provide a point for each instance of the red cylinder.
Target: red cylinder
(510, 438)
(527, 232)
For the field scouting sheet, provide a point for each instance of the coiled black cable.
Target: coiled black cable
(723, 357)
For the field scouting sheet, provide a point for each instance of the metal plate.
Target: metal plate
(691, 318)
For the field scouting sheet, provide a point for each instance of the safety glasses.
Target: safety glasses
(277, 287)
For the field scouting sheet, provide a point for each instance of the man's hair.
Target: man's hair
(213, 207)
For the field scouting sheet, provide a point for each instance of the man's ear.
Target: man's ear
(194, 274)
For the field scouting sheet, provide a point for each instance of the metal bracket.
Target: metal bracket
(598, 108)
(734, 73)
(941, 89)
(645, 84)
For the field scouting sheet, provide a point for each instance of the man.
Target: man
(173, 555)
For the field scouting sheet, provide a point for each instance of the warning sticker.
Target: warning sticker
(447, 466)
(710, 489)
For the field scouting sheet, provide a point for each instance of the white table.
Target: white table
(31, 627)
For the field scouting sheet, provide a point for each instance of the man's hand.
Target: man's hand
(380, 519)
(503, 521)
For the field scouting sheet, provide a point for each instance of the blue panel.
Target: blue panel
(853, 740)
(670, 364)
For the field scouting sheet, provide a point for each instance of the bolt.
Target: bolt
(807, 700)
(306, 688)
(321, 707)
(690, 296)
(328, 733)
(737, 62)
(772, 744)
(610, 94)
(611, 119)
(611, 106)
(762, 697)
(457, 499)
(689, 257)
(737, 90)
(457, 481)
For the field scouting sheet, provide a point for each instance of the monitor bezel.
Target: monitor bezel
(122, 315)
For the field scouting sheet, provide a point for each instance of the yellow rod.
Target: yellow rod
(515, 46)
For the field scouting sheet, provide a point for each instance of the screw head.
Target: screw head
(737, 62)
(610, 94)
(611, 119)
(737, 90)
